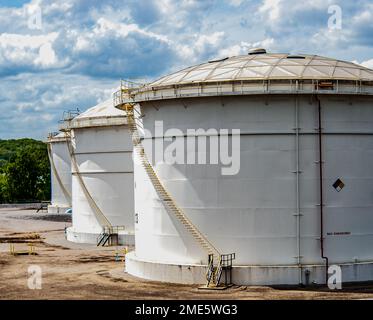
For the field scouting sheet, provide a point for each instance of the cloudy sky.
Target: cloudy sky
(63, 55)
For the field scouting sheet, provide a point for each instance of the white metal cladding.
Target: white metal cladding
(253, 213)
(261, 74)
(103, 151)
(104, 157)
(61, 161)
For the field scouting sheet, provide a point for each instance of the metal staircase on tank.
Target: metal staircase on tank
(215, 269)
(102, 239)
(109, 235)
(66, 193)
(217, 262)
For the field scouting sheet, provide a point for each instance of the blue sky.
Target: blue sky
(12, 3)
(76, 53)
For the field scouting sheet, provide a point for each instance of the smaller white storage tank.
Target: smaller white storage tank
(102, 175)
(60, 173)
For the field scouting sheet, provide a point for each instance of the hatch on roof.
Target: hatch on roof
(257, 51)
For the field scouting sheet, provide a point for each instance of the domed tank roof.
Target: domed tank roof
(103, 109)
(258, 72)
(266, 66)
(103, 114)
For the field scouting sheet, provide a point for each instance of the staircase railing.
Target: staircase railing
(213, 271)
(109, 235)
(101, 218)
(102, 239)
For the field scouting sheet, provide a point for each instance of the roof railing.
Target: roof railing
(247, 87)
(51, 135)
(69, 115)
(125, 93)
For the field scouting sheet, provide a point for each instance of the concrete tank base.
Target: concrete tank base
(72, 235)
(244, 275)
(57, 209)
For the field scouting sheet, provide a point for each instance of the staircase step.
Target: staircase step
(158, 186)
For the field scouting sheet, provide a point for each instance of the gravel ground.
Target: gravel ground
(44, 216)
(75, 271)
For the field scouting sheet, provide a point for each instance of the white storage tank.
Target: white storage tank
(102, 175)
(59, 159)
(302, 199)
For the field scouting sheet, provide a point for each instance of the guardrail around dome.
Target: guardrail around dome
(249, 87)
(54, 137)
(92, 122)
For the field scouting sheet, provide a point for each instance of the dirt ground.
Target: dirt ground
(75, 271)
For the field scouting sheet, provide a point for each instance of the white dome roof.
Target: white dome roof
(266, 67)
(101, 115)
(258, 73)
(102, 110)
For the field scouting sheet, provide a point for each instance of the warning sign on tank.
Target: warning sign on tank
(338, 185)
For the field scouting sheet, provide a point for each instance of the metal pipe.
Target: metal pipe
(323, 256)
(297, 172)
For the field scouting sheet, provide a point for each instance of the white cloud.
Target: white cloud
(235, 3)
(87, 43)
(28, 49)
(207, 45)
(364, 16)
(25, 41)
(47, 56)
(266, 43)
(47, 116)
(244, 47)
(104, 26)
(204, 40)
(231, 51)
(271, 8)
(36, 109)
(328, 38)
(367, 63)
(106, 29)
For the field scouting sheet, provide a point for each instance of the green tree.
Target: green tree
(3, 188)
(9, 148)
(27, 175)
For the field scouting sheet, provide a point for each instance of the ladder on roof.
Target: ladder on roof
(214, 269)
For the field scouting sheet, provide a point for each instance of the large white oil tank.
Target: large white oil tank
(59, 159)
(102, 175)
(302, 199)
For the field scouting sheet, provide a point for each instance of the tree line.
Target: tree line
(24, 171)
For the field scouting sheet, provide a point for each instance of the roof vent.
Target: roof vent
(295, 57)
(257, 51)
(218, 60)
